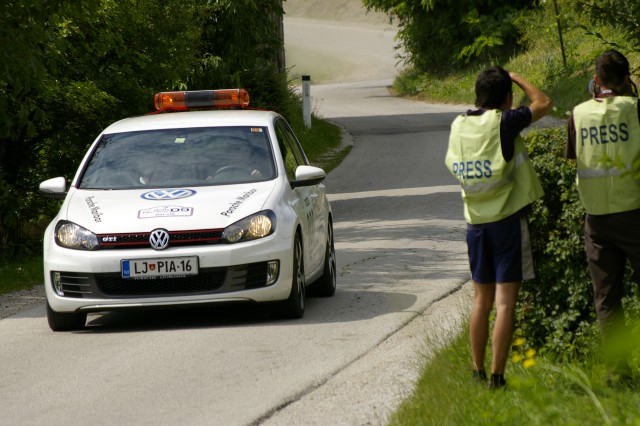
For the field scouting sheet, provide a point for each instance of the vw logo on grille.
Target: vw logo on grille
(168, 194)
(159, 239)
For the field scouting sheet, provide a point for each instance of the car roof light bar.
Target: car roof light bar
(201, 99)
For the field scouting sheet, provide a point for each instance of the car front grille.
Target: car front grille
(176, 238)
(208, 281)
(116, 286)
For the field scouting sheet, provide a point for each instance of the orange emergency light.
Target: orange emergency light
(199, 99)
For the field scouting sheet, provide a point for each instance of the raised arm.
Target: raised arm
(541, 104)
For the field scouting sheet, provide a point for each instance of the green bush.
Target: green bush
(555, 311)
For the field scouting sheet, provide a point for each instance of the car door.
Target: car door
(309, 198)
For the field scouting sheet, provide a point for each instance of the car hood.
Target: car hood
(212, 207)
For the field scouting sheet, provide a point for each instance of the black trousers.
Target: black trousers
(611, 240)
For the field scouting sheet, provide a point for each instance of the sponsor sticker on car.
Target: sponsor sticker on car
(165, 211)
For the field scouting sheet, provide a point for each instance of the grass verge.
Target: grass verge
(21, 274)
(322, 143)
(542, 393)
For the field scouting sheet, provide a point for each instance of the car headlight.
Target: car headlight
(253, 227)
(73, 236)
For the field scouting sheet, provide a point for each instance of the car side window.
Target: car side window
(292, 154)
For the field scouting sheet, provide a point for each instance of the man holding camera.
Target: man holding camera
(602, 132)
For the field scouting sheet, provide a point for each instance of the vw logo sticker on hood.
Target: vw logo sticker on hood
(159, 239)
(168, 194)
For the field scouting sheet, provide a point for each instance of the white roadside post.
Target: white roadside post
(306, 100)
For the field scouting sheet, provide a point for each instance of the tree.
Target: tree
(240, 46)
(623, 15)
(23, 34)
(439, 33)
(71, 67)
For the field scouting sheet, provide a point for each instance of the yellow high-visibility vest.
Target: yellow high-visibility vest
(492, 188)
(607, 129)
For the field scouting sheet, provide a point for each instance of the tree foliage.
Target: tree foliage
(623, 15)
(439, 33)
(69, 68)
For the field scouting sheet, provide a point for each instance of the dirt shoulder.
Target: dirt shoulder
(18, 301)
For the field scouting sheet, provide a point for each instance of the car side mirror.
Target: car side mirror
(307, 176)
(54, 188)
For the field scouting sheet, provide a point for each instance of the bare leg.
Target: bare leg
(506, 296)
(483, 297)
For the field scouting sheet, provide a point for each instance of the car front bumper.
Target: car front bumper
(91, 281)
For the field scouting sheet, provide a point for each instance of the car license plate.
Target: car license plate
(159, 268)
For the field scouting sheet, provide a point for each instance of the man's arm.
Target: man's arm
(541, 104)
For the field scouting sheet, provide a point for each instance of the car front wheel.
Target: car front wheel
(293, 307)
(65, 321)
(326, 284)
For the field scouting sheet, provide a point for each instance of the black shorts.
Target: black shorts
(500, 252)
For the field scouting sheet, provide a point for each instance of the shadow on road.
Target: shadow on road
(339, 308)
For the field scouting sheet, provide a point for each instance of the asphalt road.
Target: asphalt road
(350, 361)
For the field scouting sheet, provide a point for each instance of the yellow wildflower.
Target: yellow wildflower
(519, 341)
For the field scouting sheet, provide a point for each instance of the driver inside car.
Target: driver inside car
(238, 160)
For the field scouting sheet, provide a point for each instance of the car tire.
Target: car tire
(293, 307)
(325, 286)
(65, 321)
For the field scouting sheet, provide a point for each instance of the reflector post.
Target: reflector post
(199, 99)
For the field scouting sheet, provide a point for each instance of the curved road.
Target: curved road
(352, 358)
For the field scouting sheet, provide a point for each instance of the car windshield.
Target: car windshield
(180, 157)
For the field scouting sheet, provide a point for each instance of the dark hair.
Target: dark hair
(612, 67)
(492, 87)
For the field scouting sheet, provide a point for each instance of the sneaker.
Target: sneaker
(479, 376)
(497, 382)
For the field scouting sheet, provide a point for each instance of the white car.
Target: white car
(192, 205)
